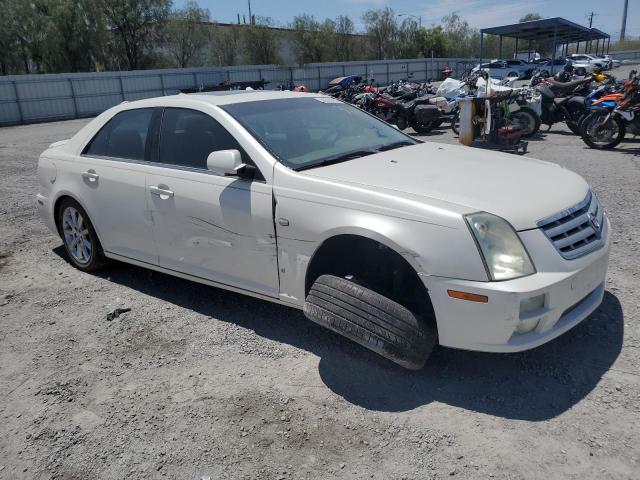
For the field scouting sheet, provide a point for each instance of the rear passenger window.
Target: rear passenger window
(187, 137)
(124, 136)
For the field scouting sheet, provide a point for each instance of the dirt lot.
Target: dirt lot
(197, 381)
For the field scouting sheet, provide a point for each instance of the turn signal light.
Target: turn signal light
(472, 297)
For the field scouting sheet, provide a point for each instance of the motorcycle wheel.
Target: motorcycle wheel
(600, 135)
(401, 123)
(528, 120)
(573, 126)
(422, 128)
(455, 123)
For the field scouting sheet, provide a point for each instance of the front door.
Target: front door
(214, 227)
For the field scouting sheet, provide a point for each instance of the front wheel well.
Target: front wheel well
(373, 265)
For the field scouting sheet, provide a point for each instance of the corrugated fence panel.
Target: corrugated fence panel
(58, 96)
(173, 82)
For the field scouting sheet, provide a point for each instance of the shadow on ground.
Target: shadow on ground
(535, 385)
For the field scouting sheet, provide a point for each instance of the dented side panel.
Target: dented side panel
(214, 227)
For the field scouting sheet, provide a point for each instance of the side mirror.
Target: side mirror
(225, 162)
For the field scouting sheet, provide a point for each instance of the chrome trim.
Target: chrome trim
(585, 221)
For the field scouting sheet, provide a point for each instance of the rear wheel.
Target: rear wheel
(601, 132)
(80, 240)
(573, 126)
(371, 319)
(528, 120)
(455, 123)
(423, 127)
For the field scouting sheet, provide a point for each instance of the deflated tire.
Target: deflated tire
(372, 320)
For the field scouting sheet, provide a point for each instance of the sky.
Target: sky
(479, 13)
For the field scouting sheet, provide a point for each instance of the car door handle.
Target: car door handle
(161, 191)
(90, 175)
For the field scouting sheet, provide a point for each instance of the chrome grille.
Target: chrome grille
(577, 230)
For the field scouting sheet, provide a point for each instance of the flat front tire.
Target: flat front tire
(372, 320)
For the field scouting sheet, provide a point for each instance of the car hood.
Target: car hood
(520, 190)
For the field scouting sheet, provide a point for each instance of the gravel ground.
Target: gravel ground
(198, 381)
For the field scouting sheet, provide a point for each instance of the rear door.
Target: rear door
(219, 228)
(111, 184)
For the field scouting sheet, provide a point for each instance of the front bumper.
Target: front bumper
(572, 290)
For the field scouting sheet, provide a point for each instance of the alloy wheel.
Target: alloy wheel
(76, 235)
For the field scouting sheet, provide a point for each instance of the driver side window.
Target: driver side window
(187, 137)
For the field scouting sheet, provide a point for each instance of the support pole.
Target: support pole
(553, 52)
(500, 49)
(529, 55)
(578, 47)
(516, 45)
(608, 44)
(481, 48)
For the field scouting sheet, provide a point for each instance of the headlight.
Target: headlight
(502, 251)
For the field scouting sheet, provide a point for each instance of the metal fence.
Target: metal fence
(631, 55)
(41, 98)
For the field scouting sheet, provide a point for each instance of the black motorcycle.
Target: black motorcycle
(563, 102)
(418, 113)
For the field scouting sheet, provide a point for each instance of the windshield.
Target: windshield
(307, 132)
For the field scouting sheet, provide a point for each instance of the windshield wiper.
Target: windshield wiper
(338, 158)
(391, 146)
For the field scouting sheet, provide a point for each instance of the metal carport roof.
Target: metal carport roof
(560, 30)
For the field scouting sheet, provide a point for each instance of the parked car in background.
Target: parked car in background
(614, 61)
(550, 67)
(607, 63)
(506, 68)
(527, 56)
(586, 61)
(309, 202)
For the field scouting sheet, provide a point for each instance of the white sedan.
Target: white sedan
(306, 201)
(506, 68)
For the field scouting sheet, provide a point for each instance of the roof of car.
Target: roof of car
(216, 98)
(239, 96)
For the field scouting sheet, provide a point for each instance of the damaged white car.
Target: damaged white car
(306, 201)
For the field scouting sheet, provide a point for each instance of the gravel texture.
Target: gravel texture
(197, 381)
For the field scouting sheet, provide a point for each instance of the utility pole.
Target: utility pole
(250, 16)
(624, 20)
(590, 16)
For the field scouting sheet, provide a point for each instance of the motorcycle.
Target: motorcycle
(606, 126)
(562, 102)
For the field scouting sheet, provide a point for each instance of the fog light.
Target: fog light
(526, 326)
(530, 305)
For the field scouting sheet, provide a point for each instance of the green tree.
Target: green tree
(227, 43)
(408, 44)
(137, 26)
(458, 36)
(187, 33)
(344, 41)
(308, 39)
(432, 42)
(260, 42)
(530, 17)
(382, 28)
(76, 36)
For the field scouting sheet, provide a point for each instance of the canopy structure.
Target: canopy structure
(560, 31)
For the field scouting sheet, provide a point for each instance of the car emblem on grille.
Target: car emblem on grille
(595, 224)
